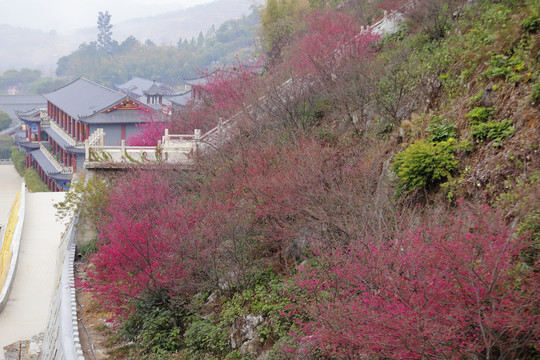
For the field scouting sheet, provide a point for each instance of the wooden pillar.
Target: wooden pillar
(74, 163)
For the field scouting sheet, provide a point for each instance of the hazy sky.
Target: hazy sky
(66, 15)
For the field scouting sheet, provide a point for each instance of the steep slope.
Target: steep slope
(381, 204)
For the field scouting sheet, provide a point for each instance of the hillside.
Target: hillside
(377, 197)
(37, 49)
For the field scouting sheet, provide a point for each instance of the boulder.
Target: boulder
(244, 336)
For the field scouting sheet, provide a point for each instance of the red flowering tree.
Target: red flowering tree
(453, 290)
(332, 40)
(145, 247)
(150, 130)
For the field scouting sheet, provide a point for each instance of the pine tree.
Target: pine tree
(104, 31)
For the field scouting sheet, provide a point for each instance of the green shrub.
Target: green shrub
(502, 66)
(155, 324)
(480, 115)
(34, 182)
(531, 24)
(530, 226)
(206, 336)
(19, 160)
(535, 95)
(265, 297)
(31, 177)
(440, 129)
(88, 248)
(496, 131)
(424, 163)
(5, 120)
(6, 142)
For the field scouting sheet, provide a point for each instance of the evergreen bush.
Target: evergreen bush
(496, 131)
(424, 163)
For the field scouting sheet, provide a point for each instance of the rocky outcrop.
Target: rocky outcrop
(244, 335)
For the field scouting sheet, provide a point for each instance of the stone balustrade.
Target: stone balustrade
(68, 138)
(59, 167)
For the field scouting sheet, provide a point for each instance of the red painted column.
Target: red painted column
(123, 131)
(74, 160)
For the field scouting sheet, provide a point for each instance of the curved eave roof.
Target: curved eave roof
(48, 167)
(29, 145)
(31, 119)
(116, 117)
(63, 143)
(180, 99)
(83, 98)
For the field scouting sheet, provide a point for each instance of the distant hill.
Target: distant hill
(37, 49)
(169, 27)
(31, 48)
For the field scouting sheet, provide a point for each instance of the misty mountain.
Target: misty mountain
(20, 47)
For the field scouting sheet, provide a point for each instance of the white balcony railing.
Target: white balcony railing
(172, 149)
(59, 167)
(68, 138)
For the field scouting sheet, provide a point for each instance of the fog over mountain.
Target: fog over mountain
(31, 48)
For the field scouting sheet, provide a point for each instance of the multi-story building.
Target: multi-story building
(73, 113)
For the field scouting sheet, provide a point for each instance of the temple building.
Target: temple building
(54, 140)
(197, 85)
(12, 104)
(147, 91)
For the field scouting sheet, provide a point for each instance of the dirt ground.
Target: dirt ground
(96, 333)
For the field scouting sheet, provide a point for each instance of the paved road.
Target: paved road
(27, 310)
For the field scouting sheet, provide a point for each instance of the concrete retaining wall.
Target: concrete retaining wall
(15, 244)
(61, 340)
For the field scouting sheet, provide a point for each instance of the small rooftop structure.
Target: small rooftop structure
(10, 104)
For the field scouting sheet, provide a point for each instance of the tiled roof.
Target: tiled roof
(83, 98)
(48, 167)
(63, 143)
(33, 115)
(136, 86)
(21, 140)
(199, 81)
(180, 99)
(10, 104)
(116, 117)
(158, 89)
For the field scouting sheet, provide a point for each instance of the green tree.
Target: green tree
(6, 142)
(5, 120)
(104, 31)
